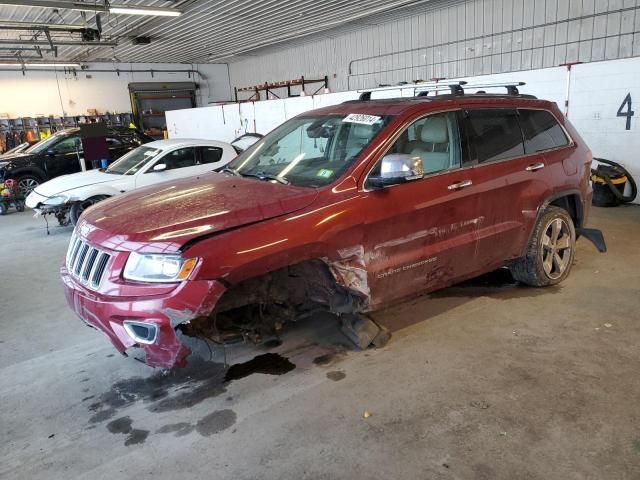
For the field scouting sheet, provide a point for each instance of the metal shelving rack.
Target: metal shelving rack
(269, 88)
(29, 128)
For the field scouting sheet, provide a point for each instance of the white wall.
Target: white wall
(226, 122)
(452, 39)
(51, 93)
(597, 90)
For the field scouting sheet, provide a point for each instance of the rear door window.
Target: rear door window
(541, 131)
(494, 134)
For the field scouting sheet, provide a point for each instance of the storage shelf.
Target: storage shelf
(51, 124)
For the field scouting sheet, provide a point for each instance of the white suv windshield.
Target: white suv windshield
(132, 162)
(309, 151)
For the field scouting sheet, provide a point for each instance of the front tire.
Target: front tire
(550, 252)
(78, 207)
(27, 183)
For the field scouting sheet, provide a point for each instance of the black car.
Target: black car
(60, 154)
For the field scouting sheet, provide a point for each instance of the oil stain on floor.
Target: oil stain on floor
(124, 425)
(267, 364)
(180, 389)
(336, 375)
(215, 422)
(192, 385)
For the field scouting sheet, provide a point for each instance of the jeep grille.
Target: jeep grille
(85, 263)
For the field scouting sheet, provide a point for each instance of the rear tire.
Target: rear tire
(551, 250)
(78, 207)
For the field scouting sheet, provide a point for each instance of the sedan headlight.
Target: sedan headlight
(56, 201)
(147, 267)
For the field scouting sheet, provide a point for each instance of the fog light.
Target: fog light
(145, 333)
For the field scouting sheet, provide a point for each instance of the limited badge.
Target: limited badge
(361, 118)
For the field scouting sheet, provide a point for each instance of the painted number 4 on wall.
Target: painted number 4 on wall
(626, 110)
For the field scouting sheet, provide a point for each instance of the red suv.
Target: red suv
(344, 209)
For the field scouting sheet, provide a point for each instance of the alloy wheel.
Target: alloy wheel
(556, 248)
(27, 185)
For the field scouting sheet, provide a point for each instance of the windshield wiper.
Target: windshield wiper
(233, 172)
(267, 176)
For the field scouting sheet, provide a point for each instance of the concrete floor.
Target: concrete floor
(485, 381)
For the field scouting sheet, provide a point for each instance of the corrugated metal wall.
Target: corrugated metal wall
(454, 39)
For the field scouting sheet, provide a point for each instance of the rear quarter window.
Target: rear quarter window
(541, 131)
(210, 154)
(495, 134)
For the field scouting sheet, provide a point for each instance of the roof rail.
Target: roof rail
(422, 89)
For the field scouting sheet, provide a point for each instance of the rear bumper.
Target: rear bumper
(187, 301)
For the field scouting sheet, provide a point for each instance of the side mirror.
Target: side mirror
(51, 152)
(397, 168)
(161, 167)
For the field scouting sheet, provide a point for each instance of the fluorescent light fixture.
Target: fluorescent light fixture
(94, 7)
(159, 12)
(44, 65)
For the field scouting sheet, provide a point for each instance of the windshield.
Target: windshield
(47, 143)
(132, 162)
(309, 151)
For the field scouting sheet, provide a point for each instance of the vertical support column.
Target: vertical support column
(567, 97)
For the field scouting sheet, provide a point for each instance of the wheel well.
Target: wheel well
(22, 173)
(263, 303)
(297, 283)
(573, 206)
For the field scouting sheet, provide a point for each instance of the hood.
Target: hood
(76, 180)
(15, 157)
(171, 213)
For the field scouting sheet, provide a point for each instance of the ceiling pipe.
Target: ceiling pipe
(24, 49)
(114, 70)
(58, 43)
(53, 27)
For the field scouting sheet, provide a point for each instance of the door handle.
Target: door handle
(534, 167)
(460, 185)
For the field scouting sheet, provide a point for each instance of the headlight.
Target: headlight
(144, 267)
(56, 201)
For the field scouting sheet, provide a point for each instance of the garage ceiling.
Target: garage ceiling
(208, 31)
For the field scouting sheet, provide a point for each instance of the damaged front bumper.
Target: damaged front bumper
(156, 316)
(42, 205)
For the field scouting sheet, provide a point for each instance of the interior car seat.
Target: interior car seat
(359, 137)
(434, 150)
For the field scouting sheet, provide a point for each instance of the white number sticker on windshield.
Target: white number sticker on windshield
(361, 118)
